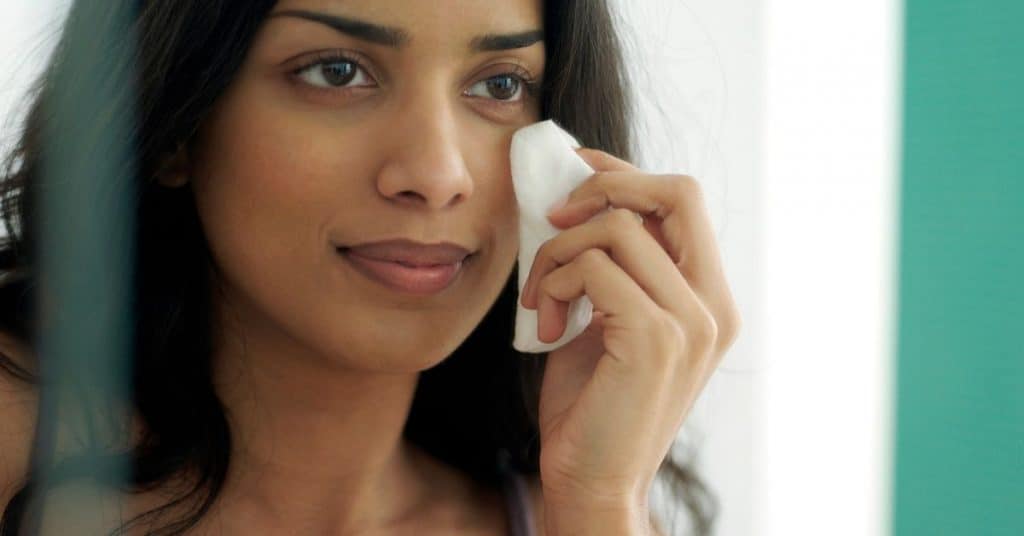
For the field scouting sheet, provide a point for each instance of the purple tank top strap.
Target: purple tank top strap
(519, 505)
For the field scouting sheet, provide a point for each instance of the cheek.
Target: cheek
(267, 194)
(262, 190)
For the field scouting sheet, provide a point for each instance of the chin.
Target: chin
(403, 351)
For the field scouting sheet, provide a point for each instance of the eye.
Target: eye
(331, 72)
(508, 87)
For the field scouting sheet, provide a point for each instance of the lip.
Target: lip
(418, 280)
(410, 252)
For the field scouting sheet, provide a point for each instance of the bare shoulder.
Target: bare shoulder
(16, 350)
(82, 508)
(63, 510)
(18, 409)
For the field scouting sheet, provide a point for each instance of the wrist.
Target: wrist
(594, 519)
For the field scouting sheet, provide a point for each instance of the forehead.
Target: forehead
(431, 22)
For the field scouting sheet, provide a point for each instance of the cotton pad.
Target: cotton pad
(545, 170)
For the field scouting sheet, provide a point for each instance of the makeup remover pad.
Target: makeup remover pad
(545, 170)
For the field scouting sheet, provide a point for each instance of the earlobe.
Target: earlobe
(173, 171)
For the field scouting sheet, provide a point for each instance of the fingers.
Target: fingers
(624, 242)
(676, 216)
(657, 337)
(676, 201)
(605, 283)
(627, 243)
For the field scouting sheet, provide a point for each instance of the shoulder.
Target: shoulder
(18, 409)
(16, 350)
(80, 507)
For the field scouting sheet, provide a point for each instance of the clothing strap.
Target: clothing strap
(518, 503)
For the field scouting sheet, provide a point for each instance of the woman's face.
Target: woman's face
(325, 139)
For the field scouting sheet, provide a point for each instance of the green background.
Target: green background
(959, 438)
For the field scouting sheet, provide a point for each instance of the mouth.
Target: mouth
(403, 277)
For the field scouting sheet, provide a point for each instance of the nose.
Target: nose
(424, 162)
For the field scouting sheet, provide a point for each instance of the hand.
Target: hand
(613, 399)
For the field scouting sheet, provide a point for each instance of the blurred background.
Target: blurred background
(861, 165)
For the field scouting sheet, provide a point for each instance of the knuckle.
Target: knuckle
(599, 178)
(669, 342)
(620, 225)
(543, 287)
(620, 219)
(687, 186)
(671, 330)
(704, 332)
(592, 258)
(729, 327)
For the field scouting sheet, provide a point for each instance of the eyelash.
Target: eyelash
(530, 85)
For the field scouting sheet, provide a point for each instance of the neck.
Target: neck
(314, 445)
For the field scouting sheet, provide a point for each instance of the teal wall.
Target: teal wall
(959, 438)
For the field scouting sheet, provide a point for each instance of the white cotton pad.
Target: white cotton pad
(545, 170)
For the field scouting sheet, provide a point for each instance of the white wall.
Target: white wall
(27, 35)
(785, 110)
(830, 180)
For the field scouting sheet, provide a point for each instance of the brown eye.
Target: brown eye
(338, 74)
(331, 74)
(503, 87)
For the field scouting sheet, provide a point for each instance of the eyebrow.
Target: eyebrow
(399, 38)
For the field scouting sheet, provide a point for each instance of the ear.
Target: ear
(174, 170)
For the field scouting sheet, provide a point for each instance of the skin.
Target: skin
(18, 403)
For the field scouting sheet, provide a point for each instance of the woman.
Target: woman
(278, 387)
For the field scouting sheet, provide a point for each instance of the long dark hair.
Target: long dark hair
(467, 410)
